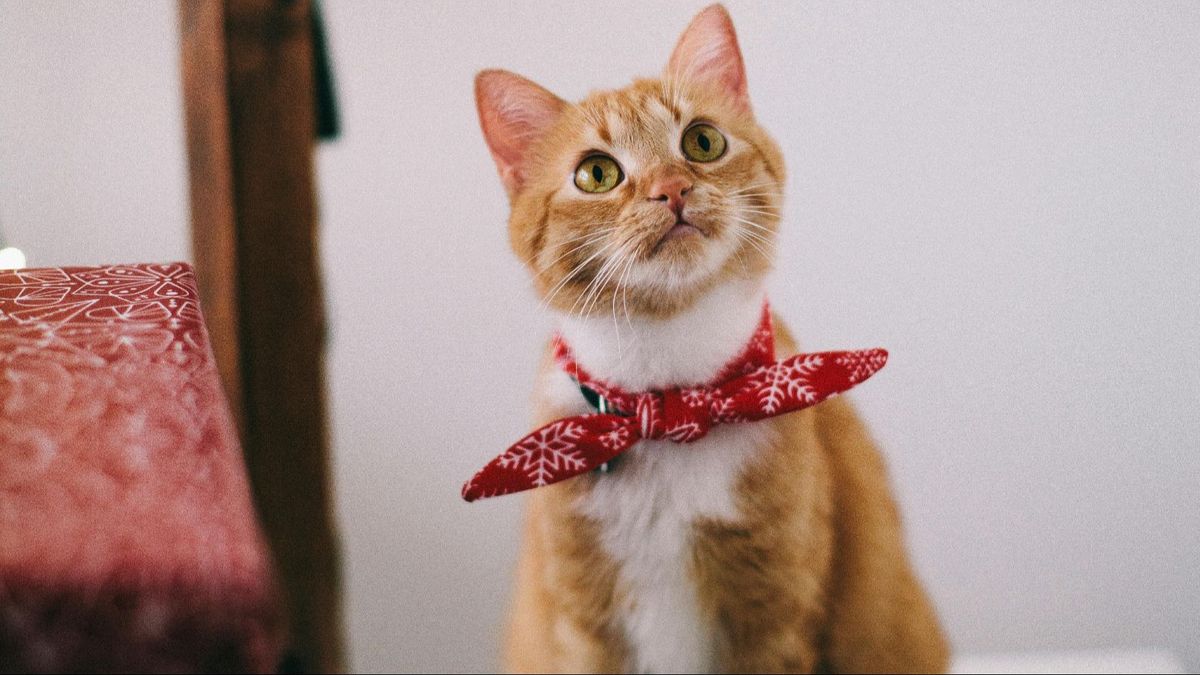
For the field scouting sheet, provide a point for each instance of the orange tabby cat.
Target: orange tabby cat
(647, 216)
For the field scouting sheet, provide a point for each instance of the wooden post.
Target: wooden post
(271, 282)
(214, 233)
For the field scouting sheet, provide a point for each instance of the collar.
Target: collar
(753, 386)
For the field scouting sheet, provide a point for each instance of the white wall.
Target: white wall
(1007, 197)
(92, 163)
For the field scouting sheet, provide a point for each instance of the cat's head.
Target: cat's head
(638, 200)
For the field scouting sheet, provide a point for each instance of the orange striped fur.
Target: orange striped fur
(768, 547)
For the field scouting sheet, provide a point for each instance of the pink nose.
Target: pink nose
(672, 191)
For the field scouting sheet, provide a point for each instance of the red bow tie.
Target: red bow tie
(752, 387)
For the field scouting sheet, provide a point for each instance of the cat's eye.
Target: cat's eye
(702, 143)
(598, 173)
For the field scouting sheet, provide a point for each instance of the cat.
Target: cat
(647, 217)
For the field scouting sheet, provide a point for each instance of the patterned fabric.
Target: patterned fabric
(753, 386)
(128, 539)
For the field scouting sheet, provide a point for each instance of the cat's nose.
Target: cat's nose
(672, 191)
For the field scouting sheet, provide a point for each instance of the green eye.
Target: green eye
(598, 173)
(702, 143)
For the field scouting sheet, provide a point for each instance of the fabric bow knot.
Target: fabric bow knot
(751, 387)
(674, 414)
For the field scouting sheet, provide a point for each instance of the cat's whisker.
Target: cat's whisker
(574, 249)
(760, 188)
(747, 221)
(760, 212)
(619, 288)
(618, 260)
(587, 291)
(754, 196)
(625, 293)
(742, 261)
(622, 259)
(756, 203)
(616, 324)
(742, 236)
(598, 284)
(747, 188)
(571, 275)
(755, 225)
(591, 238)
(756, 200)
(760, 233)
(763, 198)
(618, 268)
(591, 293)
(532, 262)
(763, 248)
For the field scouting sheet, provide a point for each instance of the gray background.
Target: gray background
(1007, 196)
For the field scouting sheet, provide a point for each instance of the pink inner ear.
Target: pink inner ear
(514, 114)
(708, 51)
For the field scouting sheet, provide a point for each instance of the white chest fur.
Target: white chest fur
(647, 508)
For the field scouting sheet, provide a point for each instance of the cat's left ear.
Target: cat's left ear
(708, 51)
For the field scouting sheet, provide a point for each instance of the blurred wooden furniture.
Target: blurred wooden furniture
(248, 76)
(128, 538)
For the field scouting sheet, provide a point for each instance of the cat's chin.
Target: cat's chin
(684, 241)
(686, 255)
(686, 269)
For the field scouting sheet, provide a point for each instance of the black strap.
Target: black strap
(601, 404)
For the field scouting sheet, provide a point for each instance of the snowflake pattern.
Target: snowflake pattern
(547, 452)
(752, 387)
(618, 439)
(786, 381)
(726, 410)
(696, 397)
(862, 364)
(763, 340)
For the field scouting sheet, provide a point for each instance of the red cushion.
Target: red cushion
(128, 540)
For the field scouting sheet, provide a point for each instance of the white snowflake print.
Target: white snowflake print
(547, 452)
(617, 439)
(727, 412)
(696, 397)
(762, 340)
(787, 380)
(862, 364)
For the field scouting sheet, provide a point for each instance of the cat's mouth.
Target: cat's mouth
(681, 229)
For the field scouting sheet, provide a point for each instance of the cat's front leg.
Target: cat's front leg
(563, 617)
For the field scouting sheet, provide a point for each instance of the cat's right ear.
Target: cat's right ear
(514, 114)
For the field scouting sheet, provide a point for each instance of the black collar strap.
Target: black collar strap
(602, 406)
